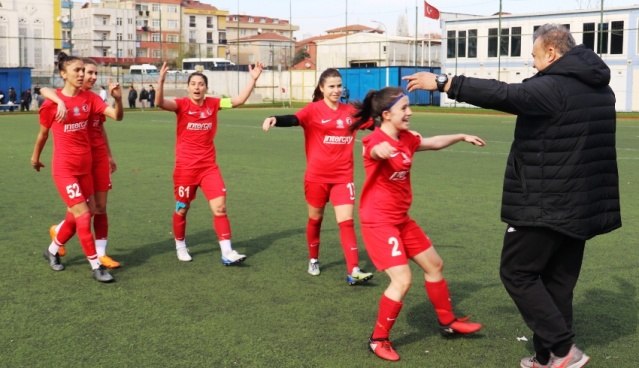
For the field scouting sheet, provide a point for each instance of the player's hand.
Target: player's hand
(163, 70)
(37, 165)
(256, 71)
(421, 80)
(268, 123)
(474, 140)
(61, 113)
(115, 90)
(382, 151)
(113, 165)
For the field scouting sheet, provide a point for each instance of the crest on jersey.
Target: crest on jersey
(340, 124)
(349, 121)
(76, 111)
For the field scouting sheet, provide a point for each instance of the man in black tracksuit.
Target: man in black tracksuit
(561, 185)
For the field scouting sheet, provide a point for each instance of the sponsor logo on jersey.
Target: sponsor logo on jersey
(337, 139)
(75, 127)
(399, 175)
(199, 126)
(324, 121)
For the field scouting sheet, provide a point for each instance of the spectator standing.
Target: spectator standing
(36, 95)
(25, 100)
(151, 96)
(144, 97)
(133, 95)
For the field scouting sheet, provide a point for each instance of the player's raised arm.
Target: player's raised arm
(248, 88)
(50, 94)
(160, 101)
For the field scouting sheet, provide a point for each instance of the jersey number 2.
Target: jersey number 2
(395, 243)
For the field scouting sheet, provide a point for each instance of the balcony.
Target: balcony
(67, 44)
(67, 4)
(68, 25)
(209, 41)
(223, 41)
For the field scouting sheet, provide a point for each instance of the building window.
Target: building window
(171, 9)
(589, 35)
(616, 37)
(602, 38)
(172, 38)
(461, 44)
(209, 22)
(209, 37)
(104, 36)
(492, 42)
(243, 32)
(515, 41)
(156, 23)
(140, 52)
(251, 20)
(156, 37)
(262, 20)
(130, 20)
(119, 36)
(472, 43)
(157, 54)
(276, 21)
(155, 7)
(118, 21)
(209, 52)
(104, 21)
(105, 53)
(450, 45)
(191, 21)
(503, 42)
(172, 24)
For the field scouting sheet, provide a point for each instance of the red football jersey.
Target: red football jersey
(387, 193)
(196, 128)
(328, 142)
(71, 140)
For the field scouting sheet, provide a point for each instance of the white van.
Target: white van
(143, 69)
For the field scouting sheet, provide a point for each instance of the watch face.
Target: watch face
(442, 79)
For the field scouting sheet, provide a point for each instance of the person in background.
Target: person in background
(13, 99)
(391, 236)
(151, 96)
(346, 94)
(195, 157)
(329, 169)
(561, 185)
(2, 99)
(71, 166)
(36, 95)
(133, 95)
(144, 97)
(25, 100)
(103, 166)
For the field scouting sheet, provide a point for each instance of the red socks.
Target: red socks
(101, 225)
(440, 298)
(222, 227)
(179, 226)
(387, 314)
(349, 244)
(67, 230)
(83, 226)
(313, 228)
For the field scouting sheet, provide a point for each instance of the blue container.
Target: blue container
(18, 78)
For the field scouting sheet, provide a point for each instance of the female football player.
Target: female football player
(391, 237)
(195, 157)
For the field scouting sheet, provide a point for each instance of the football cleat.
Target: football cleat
(53, 259)
(460, 326)
(358, 276)
(109, 262)
(62, 251)
(183, 254)
(313, 267)
(232, 257)
(102, 275)
(383, 348)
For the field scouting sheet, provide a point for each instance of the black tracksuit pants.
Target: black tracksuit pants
(539, 269)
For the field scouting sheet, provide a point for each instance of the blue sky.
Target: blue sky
(314, 17)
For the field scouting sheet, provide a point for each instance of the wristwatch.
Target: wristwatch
(441, 81)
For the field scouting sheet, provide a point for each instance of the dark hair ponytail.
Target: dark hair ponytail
(64, 60)
(374, 104)
(328, 73)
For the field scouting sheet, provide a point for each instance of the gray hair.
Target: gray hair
(556, 35)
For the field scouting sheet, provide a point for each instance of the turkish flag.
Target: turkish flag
(430, 11)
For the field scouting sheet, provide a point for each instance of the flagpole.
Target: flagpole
(416, 30)
(499, 45)
(601, 28)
